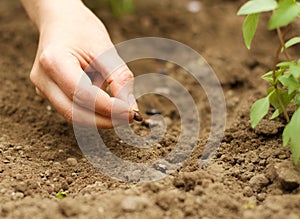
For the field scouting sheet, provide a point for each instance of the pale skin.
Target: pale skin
(71, 37)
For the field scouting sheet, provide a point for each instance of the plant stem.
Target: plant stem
(276, 58)
(279, 33)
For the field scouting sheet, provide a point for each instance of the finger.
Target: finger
(66, 71)
(39, 92)
(118, 76)
(98, 80)
(76, 114)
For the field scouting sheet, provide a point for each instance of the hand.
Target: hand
(71, 37)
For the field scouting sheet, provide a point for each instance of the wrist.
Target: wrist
(45, 12)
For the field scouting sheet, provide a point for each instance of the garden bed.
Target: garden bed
(251, 175)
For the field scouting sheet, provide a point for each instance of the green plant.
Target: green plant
(121, 7)
(284, 90)
(118, 7)
(61, 195)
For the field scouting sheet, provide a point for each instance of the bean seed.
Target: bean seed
(137, 116)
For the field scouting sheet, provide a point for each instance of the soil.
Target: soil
(251, 175)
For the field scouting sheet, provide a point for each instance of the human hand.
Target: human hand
(71, 37)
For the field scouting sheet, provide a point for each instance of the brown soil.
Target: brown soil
(251, 175)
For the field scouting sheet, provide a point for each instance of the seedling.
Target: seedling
(284, 89)
(61, 195)
(118, 7)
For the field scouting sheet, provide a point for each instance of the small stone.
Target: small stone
(72, 161)
(288, 176)
(258, 182)
(69, 180)
(56, 165)
(18, 195)
(247, 191)
(152, 112)
(261, 197)
(19, 147)
(49, 108)
(134, 203)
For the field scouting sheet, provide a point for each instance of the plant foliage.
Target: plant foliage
(284, 90)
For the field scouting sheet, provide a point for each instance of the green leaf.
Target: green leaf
(284, 65)
(257, 6)
(290, 83)
(291, 135)
(284, 96)
(286, 135)
(297, 99)
(285, 13)
(268, 77)
(258, 111)
(121, 7)
(292, 42)
(276, 113)
(249, 28)
(61, 195)
(294, 70)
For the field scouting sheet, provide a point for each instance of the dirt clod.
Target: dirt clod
(259, 181)
(288, 176)
(72, 161)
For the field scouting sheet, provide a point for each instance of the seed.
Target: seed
(137, 116)
(152, 112)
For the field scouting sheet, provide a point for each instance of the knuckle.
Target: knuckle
(34, 78)
(123, 76)
(47, 58)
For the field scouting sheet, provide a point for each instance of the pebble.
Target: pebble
(72, 161)
(152, 112)
(69, 180)
(288, 176)
(49, 108)
(134, 203)
(17, 195)
(261, 196)
(247, 191)
(259, 181)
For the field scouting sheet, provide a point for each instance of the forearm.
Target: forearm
(42, 12)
